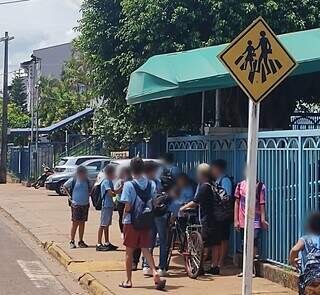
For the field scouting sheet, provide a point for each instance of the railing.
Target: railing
(289, 165)
(304, 121)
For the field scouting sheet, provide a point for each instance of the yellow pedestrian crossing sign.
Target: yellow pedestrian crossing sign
(257, 60)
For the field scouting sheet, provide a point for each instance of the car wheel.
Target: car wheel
(60, 189)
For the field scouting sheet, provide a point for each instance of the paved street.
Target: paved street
(21, 271)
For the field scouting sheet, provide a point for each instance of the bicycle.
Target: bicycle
(186, 232)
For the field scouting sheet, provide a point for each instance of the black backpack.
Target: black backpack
(96, 197)
(160, 204)
(142, 215)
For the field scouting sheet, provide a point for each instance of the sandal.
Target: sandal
(125, 285)
(160, 285)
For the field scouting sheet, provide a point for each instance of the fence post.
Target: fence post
(300, 184)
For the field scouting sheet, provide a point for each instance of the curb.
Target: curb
(87, 280)
(281, 275)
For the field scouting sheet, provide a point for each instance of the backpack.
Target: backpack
(160, 204)
(73, 184)
(311, 274)
(96, 197)
(142, 215)
(226, 202)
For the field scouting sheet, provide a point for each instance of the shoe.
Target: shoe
(111, 247)
(134, 266)
(240, 275)
(101, 248)
(82, 244)
(162, 273)
(214, 270)
(72, 245)
(147, 272)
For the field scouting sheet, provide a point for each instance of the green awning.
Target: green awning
(181, 73)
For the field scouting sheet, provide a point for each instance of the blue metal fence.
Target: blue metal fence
(289, 165)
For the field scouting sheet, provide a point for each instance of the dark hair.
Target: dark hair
(168, 157)
(150, 166)
(184, 177)
(137, 165)
(314, 223)
(220, 163)
(81, 169)
(109, 169)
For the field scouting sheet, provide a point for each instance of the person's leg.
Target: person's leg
(120, 208)
(147, 254)
(215, 255)
(161, 226)
(265, 59)
(129, 257)
(106, 234)
(223, 252)
(259, 64)
(100, 233)
(136, 258)
(74, 227)
(81, 230)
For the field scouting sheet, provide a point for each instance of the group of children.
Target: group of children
(142, 181)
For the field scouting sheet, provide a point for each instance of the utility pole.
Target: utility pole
(4, 134)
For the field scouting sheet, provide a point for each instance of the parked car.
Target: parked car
(66, 169)
(119, 164)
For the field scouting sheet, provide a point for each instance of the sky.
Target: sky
(36, 24)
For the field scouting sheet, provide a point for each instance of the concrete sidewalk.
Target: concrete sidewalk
(46, 216)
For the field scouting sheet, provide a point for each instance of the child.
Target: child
(137, 238)
(77, 189)
(309, 249)
(249, 57)
(107, 194)
(260, 211)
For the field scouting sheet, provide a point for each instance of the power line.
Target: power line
(13, 1)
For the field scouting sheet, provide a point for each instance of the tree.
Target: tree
(116, 37)
(18, 92)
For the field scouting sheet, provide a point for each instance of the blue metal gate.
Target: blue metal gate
(289, 165)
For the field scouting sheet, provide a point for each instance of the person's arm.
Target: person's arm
(258, 45)
(126, 197)
(67, 185)
(118, 187)
(293, 256)
(262, 199)
(190, 205)
(236, 208)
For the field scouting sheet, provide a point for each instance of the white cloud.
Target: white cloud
(36, 24)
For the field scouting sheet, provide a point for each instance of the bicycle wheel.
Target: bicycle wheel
(171, 240)
(194, 254)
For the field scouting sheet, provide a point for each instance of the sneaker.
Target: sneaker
(134, 266)
(72, 245)
(147, 272)
(82, 244)
(162, 273)
(101, 248)
(214, 270)
(111, 247)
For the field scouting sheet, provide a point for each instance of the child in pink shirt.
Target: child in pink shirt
(260, 211)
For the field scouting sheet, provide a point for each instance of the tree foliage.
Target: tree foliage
(18, 93)
(117, 36)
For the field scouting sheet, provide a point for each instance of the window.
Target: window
(96, 164)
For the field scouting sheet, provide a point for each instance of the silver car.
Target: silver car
(66, 169)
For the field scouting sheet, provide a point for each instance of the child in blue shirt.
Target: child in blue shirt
(107, 194)
(305, 255)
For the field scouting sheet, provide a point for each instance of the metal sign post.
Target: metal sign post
(254, 112)
(258, 62)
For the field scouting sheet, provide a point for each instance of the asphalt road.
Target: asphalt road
(21, 270)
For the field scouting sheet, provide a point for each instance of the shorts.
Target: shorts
(224, 228)
(79, 213)
(257, 236)
(136, 238)
(106, 216)
(210, 236)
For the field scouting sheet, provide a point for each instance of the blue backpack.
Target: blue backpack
(142, 215)
(311, 272)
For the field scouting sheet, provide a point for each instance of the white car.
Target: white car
(94, 165)
(120, 164)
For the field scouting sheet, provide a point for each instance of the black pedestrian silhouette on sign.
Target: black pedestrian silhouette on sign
(264, 65)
